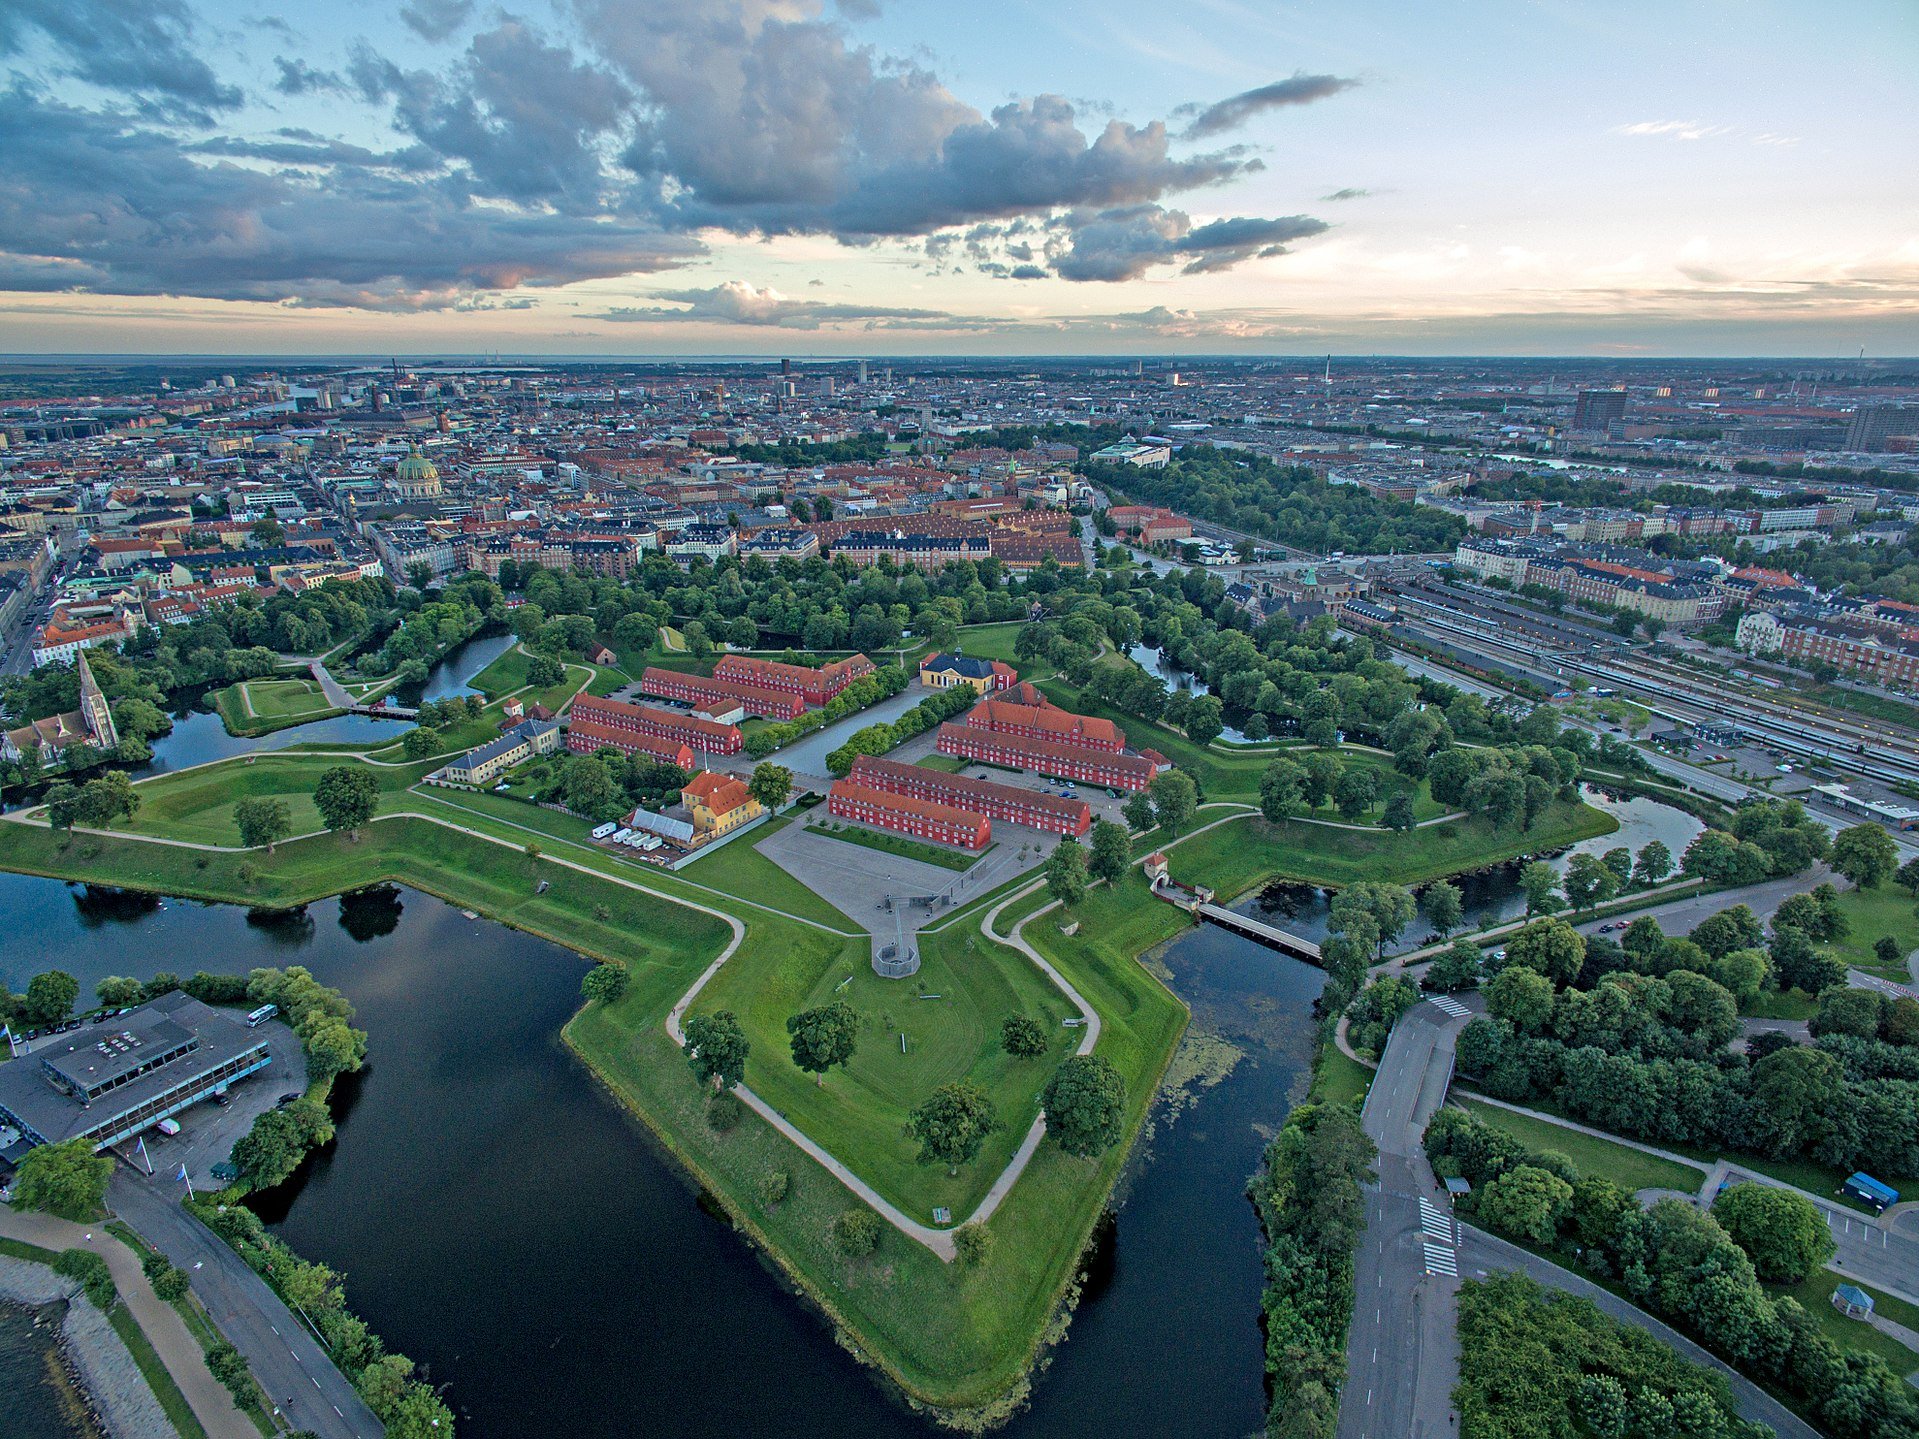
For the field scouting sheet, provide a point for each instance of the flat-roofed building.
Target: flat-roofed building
(107, 1082)
(923, 819)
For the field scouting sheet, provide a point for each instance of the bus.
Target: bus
(261, 1015)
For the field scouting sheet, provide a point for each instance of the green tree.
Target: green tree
(1521, 997)
(1887, 950)
(50, 997)
(1398, 814)
(1138, 812)
(1456, 968)
(1023, 1037)
(1085, 1105)
(262, 820)
(771, 784)
(117, 990)
(543, 671)
(66, 1180)
(856, 1232)
(1527, 1202)
(951, 1124)
(1319, 776)
(1539, 882)
(1356, 792)
(823, 1037)
(1444, 907)
(90, 1268)
(605, 983)
(1907, 877)
(591, 790)
(1618, 860)
(346, 796)
(1203, 723)
(1588, 882)
(717, 1047)
(1174, 799)
(1865, 854)
(1066, 871)
(1112, 851)
(972, 1243)
(1279, 790)
(1549, 947)
(1784, 1233)
(1653, 863)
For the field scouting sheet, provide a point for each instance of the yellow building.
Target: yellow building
(943, 672)
(718, 804)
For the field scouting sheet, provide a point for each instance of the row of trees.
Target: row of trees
(1312, 1209)
(935, 709)
(886, 681)
(1640, 1049)
(1700, 1270)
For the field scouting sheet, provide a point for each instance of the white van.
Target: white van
(168, 1127)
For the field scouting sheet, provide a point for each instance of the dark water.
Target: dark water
(37, 1403)
(200, 737)
(1491, 895)
(504, 1223)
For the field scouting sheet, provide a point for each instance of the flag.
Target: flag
(183, 1171)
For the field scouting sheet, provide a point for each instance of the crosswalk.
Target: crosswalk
(1440, 1239)
(1448, 1006)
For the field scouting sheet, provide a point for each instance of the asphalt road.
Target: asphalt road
(1402, 1354)
(1681, 916)
(1482, 1253)
(285, 1357)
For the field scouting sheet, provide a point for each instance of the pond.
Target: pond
(1155, 662)
(200, 738)
(1493, 894)
(503, 1222)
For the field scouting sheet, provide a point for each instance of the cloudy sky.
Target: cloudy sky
(920, 176)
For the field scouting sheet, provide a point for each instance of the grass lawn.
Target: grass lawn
(505, 675)
(1625, 1166)
(1792, 1004)
(1815, 1293)
(944, 763)
(197, 804)
(1872, 913)
(739, 868)
(860, 1113)
(899, 844)
(1338, 1079)
(1235, 857)
(256, 707)
(179, 1413)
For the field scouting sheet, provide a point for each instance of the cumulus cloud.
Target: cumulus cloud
(738, 303)
(90, 203)
(1236, 110)
(435, 19)
(525, 159)
(1123, 244)
(147, 49)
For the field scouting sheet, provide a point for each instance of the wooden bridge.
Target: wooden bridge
(1200, 902)
(341, 698)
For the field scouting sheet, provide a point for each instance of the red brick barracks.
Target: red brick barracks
(1100, 767)
(697, 689)
(640, 729)
(1054, 813)
(815, 686)
(1047, 722)
(922, 818)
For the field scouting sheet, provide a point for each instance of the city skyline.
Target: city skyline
(763, 178)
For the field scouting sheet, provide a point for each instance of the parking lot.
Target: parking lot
(208, 1130)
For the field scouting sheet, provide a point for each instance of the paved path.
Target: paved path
(1484, 1253)
(212, 1405)
(1402, 1355)
(283, 1354)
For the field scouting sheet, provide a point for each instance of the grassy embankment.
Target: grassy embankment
(259, 707)
(1870, 914)
(1625, 1166)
